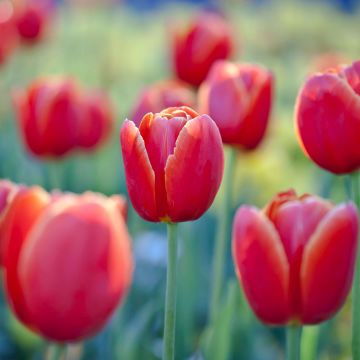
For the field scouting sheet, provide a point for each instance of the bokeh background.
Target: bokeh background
(121, 47)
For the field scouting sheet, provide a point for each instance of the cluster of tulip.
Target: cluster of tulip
(78, 241)
(22, 21)
(174, 164)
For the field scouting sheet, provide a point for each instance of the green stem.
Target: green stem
(53, 171)
(356, 283)
(53, 351)
(293, 339)
(170, 301)
(222, 237)
(309, 342)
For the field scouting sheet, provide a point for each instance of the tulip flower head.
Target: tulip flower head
(57, 117)
(327, 119)
(32, 20)
(195, 49)
(8, 37)
(67, 261)
(295, 258)
(162, 95)
(173, 164)
(238, 97)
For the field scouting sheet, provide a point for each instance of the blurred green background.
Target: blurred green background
(121, 51)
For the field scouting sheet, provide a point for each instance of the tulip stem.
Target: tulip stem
(170, 301)
(356, 283)
(222, 237)
(53, 351)
(309, 342)
(293, 340)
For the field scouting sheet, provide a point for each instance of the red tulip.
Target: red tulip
(160, 96)
(295, 259)
(68, 262)
(173, 164)
(56, 117)
(207, 39)
(238, 97)
(8, 34)
(327, 119)
(32, 20)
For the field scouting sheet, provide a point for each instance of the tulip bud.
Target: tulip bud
(238, 97)
(56, 117)
(68, 262)
(160, 96)
(32, 19)
(295, 259)
(195, 49)
(327, 119)
(173, 164)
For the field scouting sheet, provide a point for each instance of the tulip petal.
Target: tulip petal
(295, 222)
(261, 265)
(160, 134)
(255, 123)
(193, 173)
(97, 121)
(352, 74)
(328, 264)
(225, 99)
(27, 206)
(59, 120)
(140, 177)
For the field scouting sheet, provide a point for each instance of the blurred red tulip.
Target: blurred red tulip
(195, 49)
(32, 20)
(295, 259)
(173, 164)
(160, 96)
(68, 262)
(56, 117)
(327, 119)
(239, 98)
(8, 33)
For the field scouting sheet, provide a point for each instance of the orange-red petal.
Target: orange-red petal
(328, 264)
(261, 265)
(140, 177)
(193, 173)
(26, 208)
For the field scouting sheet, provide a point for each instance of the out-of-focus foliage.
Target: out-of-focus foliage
(122, 51)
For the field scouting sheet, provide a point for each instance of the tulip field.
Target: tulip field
(180, 183)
